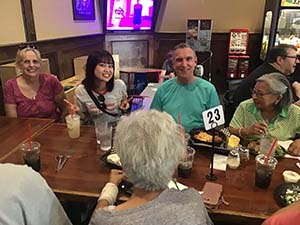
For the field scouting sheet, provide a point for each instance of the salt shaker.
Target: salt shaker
(233, 160)
(244, 155)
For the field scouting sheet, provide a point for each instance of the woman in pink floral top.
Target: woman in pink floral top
(33, 94)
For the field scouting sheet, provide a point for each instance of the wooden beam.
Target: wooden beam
(28, 19)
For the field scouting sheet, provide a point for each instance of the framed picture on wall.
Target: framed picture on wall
(83, 9)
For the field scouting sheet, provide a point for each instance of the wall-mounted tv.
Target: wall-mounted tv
(129, 15)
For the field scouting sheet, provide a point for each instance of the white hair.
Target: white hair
(150, 145)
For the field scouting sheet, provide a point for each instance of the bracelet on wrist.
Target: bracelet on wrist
(240, 132)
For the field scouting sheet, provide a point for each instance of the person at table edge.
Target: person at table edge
(282, 59)
(289, 215)
(185, 95)
(33, 93)
(108, 91)
(150, 146)
(270, 110)
(26, 198)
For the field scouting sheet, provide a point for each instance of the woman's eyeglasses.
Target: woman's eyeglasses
(21, 47)
(259, 94)
(101, 101)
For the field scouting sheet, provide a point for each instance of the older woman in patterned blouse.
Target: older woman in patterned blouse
(270, 109)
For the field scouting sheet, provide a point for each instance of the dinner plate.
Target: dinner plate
(196, 131)
(109, 163)
(281, 195)
(279, 151)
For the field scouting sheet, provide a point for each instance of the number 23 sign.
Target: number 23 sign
(213, 117)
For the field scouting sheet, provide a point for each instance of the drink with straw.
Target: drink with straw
(31, 154)
(73, 124)
(186, 164)
(73, 121)
(264, 170)
(265, 165)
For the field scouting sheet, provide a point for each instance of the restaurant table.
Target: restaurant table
(131, 71)
(248, 204)
(149, 93)
(14, 131)
(84, 175)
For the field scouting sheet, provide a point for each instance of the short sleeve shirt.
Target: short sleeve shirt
(42, 105)
(285, 126)
(188, 101)
(88, 109)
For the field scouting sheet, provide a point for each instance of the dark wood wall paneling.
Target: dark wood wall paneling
(60, 52)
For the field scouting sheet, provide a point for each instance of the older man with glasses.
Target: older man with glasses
(283, 59)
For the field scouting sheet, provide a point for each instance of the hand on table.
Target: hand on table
(116, 176)
(294, 148)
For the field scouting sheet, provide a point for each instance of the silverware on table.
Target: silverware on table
(59, 158)
(66, 158)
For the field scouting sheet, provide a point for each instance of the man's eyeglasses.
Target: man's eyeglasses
(295, 57)
(27, 46)
(101, 101)
(259, 94)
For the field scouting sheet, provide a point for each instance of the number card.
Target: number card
(213, 117)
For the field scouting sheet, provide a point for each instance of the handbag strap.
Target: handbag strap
(95, 100)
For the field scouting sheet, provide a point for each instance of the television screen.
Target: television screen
(129, 15)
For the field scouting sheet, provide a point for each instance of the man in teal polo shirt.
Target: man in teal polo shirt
(185, 95)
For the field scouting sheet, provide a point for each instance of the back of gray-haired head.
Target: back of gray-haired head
(150, 145)
(279, 85)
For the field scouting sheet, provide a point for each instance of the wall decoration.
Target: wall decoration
(83, 9)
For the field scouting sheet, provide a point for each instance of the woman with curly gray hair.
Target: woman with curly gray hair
(149, 144)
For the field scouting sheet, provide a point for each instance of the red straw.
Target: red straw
(29, 135)
(71, 108)
(271, 150)
(183, 136)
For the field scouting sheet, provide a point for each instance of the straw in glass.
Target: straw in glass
(183, 136)
(71, 108)
(29, 136)
(271, 150)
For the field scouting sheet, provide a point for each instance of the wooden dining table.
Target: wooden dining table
(14, 131)
(84, 175)
(248, 204)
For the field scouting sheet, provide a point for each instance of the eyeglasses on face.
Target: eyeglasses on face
(27, 46)
(259, 94)
(295, 57)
